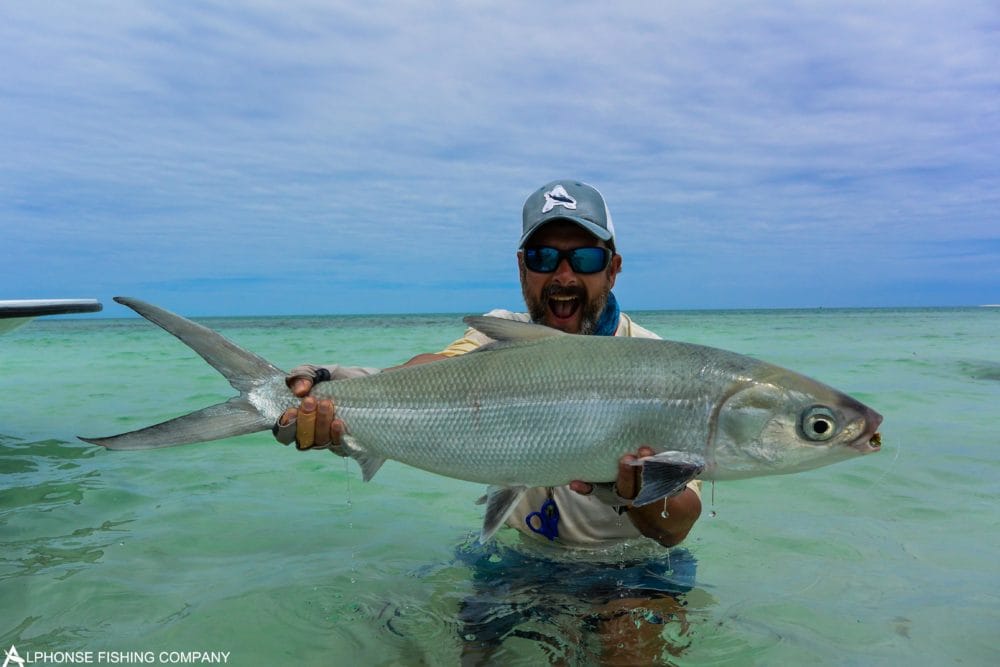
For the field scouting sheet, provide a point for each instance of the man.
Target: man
(568, 266)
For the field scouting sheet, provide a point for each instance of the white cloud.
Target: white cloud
(189, 141)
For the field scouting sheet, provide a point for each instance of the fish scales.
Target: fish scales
(540, 413)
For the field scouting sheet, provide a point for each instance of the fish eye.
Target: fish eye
(818, 424)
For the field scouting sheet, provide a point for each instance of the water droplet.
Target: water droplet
(664, 515)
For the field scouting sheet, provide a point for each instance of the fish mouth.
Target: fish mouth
(871, 439)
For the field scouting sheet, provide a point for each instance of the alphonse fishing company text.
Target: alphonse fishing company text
(15, 658)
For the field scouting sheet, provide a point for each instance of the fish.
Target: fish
(539, 407)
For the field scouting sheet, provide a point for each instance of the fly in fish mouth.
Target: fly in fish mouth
(871, 439)
(867, 444)
(874, 421)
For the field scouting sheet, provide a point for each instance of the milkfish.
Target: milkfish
(540, 407)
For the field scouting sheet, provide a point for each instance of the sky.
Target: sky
(299, 157)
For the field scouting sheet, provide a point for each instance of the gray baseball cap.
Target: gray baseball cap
(568, 200)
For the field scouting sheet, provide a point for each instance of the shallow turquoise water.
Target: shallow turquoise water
(279, 556)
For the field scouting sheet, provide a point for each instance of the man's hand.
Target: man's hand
(681, 510)
(315, 422)
(629, 476)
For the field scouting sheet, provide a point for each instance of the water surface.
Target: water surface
(284, 557)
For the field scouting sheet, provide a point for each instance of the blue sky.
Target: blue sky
(344, 157)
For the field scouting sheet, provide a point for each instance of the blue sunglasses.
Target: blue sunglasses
(545, 259)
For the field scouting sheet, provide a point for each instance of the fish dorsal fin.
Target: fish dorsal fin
(500, 502)
(502, 329)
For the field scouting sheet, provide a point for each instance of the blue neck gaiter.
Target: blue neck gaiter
(607, 323)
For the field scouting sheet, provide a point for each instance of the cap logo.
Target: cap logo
(558, 196)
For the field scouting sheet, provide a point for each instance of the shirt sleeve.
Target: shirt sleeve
(467, 343)
(474, 339)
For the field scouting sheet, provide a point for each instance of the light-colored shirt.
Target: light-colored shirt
(584, 521)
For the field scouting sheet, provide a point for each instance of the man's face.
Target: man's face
(565, 300)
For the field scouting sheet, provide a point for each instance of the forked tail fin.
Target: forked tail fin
(237, 416)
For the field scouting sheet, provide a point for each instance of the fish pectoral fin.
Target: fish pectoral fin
(666, 474)
(502, 329)
(500, 502)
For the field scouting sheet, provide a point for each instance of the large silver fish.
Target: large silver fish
(542, 408)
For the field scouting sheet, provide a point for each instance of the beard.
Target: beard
(538, 305)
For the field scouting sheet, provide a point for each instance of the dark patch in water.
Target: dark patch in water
(981, 370)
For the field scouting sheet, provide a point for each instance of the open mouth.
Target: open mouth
(564, 306)
(871, 439)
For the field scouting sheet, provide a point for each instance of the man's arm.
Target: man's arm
(682, 512)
